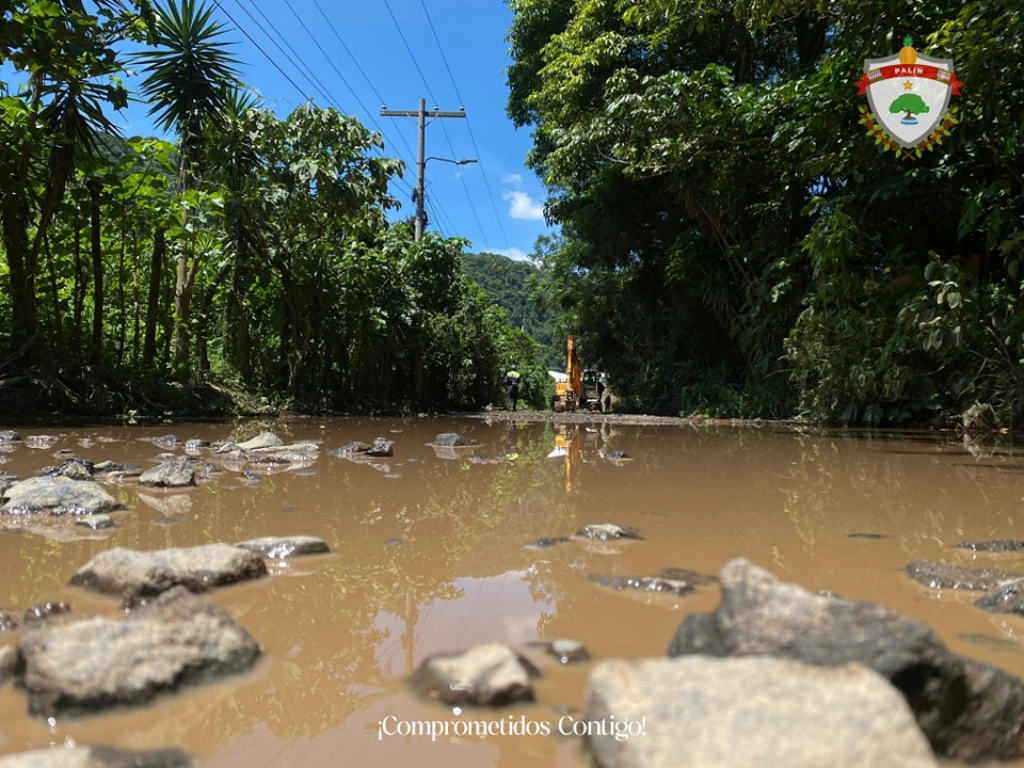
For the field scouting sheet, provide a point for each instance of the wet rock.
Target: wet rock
(114, 469)
(96, 522)
(8, 661)
(870, 536)
(138, 574)
(607, 532)
(195, 444)
(969, 711)
(6, 481)
(548, 541)
(7, 622)
(1006, 598)
(309, 450)
(57, 496)
(228, 447)
(96, 757)
(488, 675)
(171, 474)
(288, 457)
(88, 666)
(738, 713)
(41, 441)
(72, 469)
(660, 584)
(381, 448)
(38, 614)
(262, 440)
(351, 448)
(162, 458)
(283, 547)
(252, 477)
(997, 545)
(9, 436)
(942, 576)
(452, 440)
(170, 442)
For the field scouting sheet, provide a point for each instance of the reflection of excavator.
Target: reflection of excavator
(577, 446)
(579, 390)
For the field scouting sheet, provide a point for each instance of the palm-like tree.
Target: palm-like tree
(188, 76)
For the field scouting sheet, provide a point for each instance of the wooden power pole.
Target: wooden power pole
(421, 116)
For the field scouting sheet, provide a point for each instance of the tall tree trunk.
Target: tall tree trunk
(95, 187)
(54, 293)
(136, 303)
(79, 288)
(14, 221)
(122, 312)
(181, 318)
(153, 302)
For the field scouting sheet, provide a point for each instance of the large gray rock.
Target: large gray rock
(452, 440)
(88, 666)
(262, 440)
(170, 474)
(96, 757)
(73, 469)
(942, 576)
(737, 713)
(487, 675)
(8, 661)
(140, 574)
(969, 711)
(283, 547)
(57, 496)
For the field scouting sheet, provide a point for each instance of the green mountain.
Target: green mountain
(507, 282)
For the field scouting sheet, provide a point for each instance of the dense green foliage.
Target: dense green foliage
(256, 252)
(733, 242)
(509, 284)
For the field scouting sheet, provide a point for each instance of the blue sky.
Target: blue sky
(496, 203)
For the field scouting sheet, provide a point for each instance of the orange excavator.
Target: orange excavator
(579, 390)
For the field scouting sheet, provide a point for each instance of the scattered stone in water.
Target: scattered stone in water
(740, 713)
(942, 576)
(167, 441)
(96, 757)
(138, 574)
(392, 542)
(38, 614)
(7, 622)
(251, 477)
(870, 536)
(452, 440)
(607, 532)
(350, 448)
(488, 675)
(993, 642)
(41, 441)
(57, 496)
(381, 448)
(171, 474)
(548, 541)
(72, 469)
(997, 545)
(228, 447)
(93, 665)
(677, 587)
(96, 522)
(283, 547)
(117, 470)
(9, 436)
(568, 651)
(1006, 598)
(291, 509)
(262, 440)
(195, 444)
(970, 712)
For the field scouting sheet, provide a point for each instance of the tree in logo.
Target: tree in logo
(910, 103)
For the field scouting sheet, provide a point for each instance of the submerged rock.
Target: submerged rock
(117, 470)
(96, 757)
(139, 574)
(171, 474)
(942, 576)
(283, 547)
(96, 522)
(88, 666)
(38, 614)
(869, 536)
(351, 448)
(452, 440)
(969, 711)
(41, 441)
(9, 436)
(262, 440)
(57, 496)
(673, 581)
(487, 675)
(1006, 598)
(548, 541)
(739, 713)
(607, 532)
(996, 545)
(381, 448)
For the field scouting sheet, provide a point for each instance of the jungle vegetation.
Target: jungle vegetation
(734, 241)
(252, 254)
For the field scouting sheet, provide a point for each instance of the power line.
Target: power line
(469, 127)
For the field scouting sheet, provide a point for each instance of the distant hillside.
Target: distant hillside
(506, 282)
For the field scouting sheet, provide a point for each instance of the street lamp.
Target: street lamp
(419, 196)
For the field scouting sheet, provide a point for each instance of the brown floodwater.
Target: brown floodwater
(428, 555)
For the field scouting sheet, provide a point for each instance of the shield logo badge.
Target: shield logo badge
(908, 94)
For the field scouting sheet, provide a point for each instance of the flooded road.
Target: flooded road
(428, 555)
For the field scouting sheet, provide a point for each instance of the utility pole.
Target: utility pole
(421, 116)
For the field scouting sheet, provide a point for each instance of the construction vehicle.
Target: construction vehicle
(579, 389)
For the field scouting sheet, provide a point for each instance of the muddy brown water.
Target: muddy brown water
(428, 556)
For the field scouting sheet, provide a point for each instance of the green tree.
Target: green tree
(910, 103)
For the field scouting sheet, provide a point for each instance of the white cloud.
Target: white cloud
(524, 207)
(513, 179)
(513, 253)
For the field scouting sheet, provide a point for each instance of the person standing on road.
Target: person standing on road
(512, 387)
